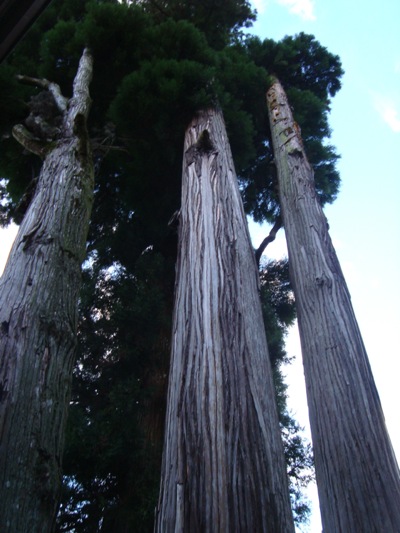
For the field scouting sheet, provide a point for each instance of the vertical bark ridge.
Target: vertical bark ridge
(39, 292)
(223, 456)
(357, 472)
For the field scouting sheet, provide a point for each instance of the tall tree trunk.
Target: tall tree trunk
(357, 473)
(223, 465)
(38, 316)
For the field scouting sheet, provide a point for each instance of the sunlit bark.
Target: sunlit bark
(223, 465)
(357, 473)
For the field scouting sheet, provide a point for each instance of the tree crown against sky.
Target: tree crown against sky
(173, 68)
(164, 66)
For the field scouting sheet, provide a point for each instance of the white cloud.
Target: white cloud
(302, 8)
(388, 111)
(391, 117)
(260, 5)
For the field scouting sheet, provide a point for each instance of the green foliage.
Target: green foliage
(161, 73)
(301, 62)
(13, 109)
(300, 467)
(241, 94)
(178, 90)
(113, 456)
(13, 93)
(279, 313)
(220, 21)
(180, 40)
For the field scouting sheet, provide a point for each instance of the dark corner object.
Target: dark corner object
(16, 17)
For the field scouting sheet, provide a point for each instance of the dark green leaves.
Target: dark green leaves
(299, 61)
(219, 20)
(164, 93)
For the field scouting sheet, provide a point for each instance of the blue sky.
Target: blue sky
(365, 219)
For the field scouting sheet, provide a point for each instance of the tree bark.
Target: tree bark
(223, 467)
(38, 317)
(357, 473)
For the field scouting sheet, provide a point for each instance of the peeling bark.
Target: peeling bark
(223, 465)
(357, 473)
(38, 315)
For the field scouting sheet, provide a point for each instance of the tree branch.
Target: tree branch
(79, 104)
(29, 142)
(83, 76)
(271, 237)
(53, 88)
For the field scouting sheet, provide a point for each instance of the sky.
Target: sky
(365, 219)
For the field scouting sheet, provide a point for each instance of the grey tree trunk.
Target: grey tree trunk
(38, 317)
(357, 473)
(223, 466)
